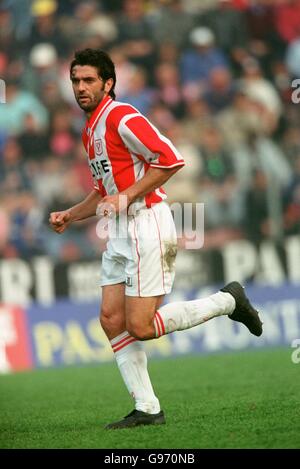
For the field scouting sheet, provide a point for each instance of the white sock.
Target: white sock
(132, 362)
(186, 314)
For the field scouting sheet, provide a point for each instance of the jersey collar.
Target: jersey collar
(97, 111)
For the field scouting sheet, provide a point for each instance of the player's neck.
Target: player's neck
(90, 113)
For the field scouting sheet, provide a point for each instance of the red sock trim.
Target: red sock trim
(160, 323)
(123, 342)
(157, 327)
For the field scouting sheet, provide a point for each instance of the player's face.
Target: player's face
(89, 89)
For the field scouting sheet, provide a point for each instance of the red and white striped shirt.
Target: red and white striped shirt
(121, 145)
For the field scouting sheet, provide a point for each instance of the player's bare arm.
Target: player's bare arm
(154, 178)
(59, 221)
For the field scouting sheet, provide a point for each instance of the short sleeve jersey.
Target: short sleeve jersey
(121, 146)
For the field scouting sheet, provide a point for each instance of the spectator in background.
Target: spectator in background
(241, 120)
(240, 4)
(264, 42)
(287, 19)
(21, 15)
(184, 188)
(45, 27)
(161, 116)
(33, 141)
(292, 58)
(135, 35)
(172, 24)
(43, 68)
(229, 28)
(194, 6)
(291, 144)
(88, 21)
(216, 162)
(282, 81)
(7, 38)
(51, 95)
(113, 6)
(169, 89)
(256, 214)
(197, 63)
(90, 27)
(23, 231)
(261, 90)
(292, 202)
(124, 69)
(197, 118)
(167, 52)
(20, 103)
(261, 153)
(139, 94)
(51, 174)
(220, 90)
(13, 174)
(62, 141)
(219, 190)
(26, 231)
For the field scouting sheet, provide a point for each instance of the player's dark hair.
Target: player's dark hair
(98, 59)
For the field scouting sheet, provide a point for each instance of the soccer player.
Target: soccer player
(130, 160)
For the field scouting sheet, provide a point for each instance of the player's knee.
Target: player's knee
(111, 321)
(139, 331)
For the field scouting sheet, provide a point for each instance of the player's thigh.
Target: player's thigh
(140, 313)
(112, 315)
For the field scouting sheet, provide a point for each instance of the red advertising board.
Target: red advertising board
(15, 349)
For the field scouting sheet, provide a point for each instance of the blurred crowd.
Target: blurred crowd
(215, 76)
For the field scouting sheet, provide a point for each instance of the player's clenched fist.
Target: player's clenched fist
(59, 221)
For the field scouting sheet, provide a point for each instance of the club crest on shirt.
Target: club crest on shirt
(98, 147)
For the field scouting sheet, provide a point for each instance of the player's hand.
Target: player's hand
(59, 221)
(111, 205)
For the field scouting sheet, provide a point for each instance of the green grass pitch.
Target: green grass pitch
(233, 400)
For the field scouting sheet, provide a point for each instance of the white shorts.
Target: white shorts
(143, 253)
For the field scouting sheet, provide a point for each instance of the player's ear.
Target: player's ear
(108, 85)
